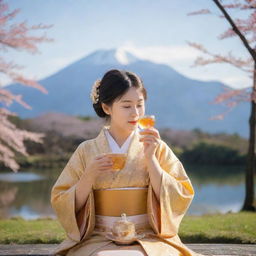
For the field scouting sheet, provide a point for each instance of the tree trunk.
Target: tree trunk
(249, 203)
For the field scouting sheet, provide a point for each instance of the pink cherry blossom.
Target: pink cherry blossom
(16, 36)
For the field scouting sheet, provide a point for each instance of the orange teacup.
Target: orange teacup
(147, 121)
(118, 160)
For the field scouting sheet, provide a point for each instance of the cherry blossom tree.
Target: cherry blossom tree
(245, 30)
(15, 36)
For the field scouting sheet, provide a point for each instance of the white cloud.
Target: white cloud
(238, 81)
(162, 54)
(4, 81)
(181, 58)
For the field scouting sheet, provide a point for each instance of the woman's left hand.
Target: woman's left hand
(151, 140)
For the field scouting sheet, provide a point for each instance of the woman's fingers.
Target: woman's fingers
(151, 131)
(148, 137)
(104, 159)
(105, 167)
(105, 163)
(100, 156)
(150, 140)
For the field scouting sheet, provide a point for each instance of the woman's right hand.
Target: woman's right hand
(100, 164)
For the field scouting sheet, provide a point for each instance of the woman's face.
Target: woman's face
(126, 111)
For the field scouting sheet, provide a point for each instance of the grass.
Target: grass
(20, 231)
(219, 228)
(228, 228)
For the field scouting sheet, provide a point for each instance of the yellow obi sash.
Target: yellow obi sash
(115, 201)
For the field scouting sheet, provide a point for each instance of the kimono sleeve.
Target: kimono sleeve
(176, 192)
(63, 196)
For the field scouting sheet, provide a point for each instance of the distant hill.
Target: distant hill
(65, 125)
(77, 128)
(177, 101)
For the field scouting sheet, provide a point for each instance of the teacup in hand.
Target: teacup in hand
(118, 160)
(147, 121)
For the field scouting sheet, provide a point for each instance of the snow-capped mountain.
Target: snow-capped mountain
(177, 101)
(111, 57)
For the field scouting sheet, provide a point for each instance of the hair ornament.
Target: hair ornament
(95, 91)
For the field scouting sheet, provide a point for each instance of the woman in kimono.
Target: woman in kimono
(153, 188)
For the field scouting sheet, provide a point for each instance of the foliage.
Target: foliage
(15, 36)
(204, 153)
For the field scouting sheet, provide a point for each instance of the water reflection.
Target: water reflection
(20, 177)
(8, 196)
(213, 198)
(27, 194)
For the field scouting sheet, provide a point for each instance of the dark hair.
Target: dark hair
(114, 84)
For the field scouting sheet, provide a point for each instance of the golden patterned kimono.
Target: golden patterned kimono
(164, 217)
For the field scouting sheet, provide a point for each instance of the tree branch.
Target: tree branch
(237, 31)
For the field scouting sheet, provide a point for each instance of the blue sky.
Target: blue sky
(156, 30)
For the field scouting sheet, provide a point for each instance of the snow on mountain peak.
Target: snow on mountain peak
(112, 56)
(124, 57)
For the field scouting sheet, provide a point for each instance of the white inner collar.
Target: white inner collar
(114, 146)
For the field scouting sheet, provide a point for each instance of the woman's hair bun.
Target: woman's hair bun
(114, 84)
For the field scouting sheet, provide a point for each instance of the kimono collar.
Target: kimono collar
(113, 144)
(103, 145)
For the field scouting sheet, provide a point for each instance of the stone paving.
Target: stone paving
(205, 249)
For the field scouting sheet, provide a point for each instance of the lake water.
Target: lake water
(27, 194)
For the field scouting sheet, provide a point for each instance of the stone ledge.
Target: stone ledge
(205, 249)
